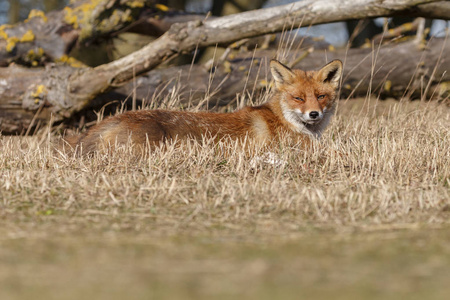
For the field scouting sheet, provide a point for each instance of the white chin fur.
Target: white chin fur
(305, 117)
(296, 119)
(303, 124)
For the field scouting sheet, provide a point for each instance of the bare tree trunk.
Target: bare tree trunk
(14, 11)
(50, 5)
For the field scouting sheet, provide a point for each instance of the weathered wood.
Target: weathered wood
(64, 91)
(42, 38)
(398, 69)
(394, 70)
(438, 10)
(222, 31)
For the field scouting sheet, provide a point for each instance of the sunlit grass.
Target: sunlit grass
(193, 221)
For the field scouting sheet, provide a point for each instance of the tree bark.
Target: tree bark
(395, 70)
(63, 91)
(42, 38)
(14, 11)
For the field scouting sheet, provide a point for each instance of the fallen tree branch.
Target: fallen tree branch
(63, 92)
(42, 38)
(398, 70)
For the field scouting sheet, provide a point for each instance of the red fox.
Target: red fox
(300, 107)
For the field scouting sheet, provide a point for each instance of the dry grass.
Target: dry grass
(365, 214)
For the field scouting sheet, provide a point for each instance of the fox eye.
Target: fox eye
(320, 97)
(299, 99)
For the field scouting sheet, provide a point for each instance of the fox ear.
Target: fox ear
(331, 73)
(281, 73)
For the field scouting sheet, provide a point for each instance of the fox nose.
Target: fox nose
(314, 114)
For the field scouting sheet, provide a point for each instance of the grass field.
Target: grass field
(365, 215)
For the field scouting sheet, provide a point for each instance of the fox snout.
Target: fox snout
(311, 117)
(314, 114)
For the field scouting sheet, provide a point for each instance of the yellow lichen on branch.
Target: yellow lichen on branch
(87, 18)
(11, 43)
(70, 61)
(161, 7)
(39, 93)
(117, 17)
(37, 13)
(79, 16)
(3, 33)
(13, 40)
(387, 85)
(27, 37)
(137, 3)
(70, 18)
(34, 57)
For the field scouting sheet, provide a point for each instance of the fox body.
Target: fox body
(301, 107)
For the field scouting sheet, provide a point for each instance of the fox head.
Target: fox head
(306, 98)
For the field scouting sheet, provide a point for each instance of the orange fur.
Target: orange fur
(300, 107)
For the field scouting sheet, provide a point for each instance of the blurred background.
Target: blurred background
(13, 11)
